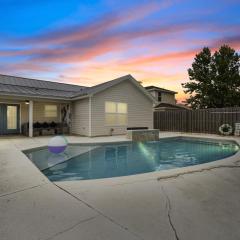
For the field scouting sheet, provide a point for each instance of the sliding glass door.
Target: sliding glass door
(9, 119)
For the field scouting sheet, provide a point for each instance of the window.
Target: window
(159, 96)
(11, 117)
(50, 111)
(116, 113)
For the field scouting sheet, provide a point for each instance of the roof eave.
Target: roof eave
(161, 90)
(34, 96)
(149, 95)
(125, 78)
(81, 97)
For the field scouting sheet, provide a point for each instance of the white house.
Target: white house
(36, 107)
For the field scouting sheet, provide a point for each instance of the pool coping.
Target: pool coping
(156, 175)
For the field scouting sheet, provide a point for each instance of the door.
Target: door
(9, 119)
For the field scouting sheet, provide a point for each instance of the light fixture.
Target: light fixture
(27, 102)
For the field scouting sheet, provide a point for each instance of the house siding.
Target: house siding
(140, 108)
(168, 98)
(80, 117)
(24, 113)
(154, 94)
(165, 97)
(38, 112)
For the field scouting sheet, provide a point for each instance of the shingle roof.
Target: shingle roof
(159, 89)
(10, 85)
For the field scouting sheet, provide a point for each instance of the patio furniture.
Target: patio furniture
(44, 129)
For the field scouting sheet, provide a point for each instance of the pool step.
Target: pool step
(44, 159)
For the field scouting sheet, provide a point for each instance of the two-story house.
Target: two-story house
(165, 98)
(162, 94)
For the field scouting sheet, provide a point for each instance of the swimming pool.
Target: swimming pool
(81, 162)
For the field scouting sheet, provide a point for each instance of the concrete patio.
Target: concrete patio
(198, 202)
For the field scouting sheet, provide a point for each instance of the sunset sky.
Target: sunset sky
(88, 42)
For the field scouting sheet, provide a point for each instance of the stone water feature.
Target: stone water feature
(143, 135)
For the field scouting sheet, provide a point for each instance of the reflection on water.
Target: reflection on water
(115, 157)
(132, 158)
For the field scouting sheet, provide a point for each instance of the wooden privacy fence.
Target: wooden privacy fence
(199, 121)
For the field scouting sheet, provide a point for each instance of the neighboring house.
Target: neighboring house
(162, 95)
(104, 109)
(165, 98)
(168, 106)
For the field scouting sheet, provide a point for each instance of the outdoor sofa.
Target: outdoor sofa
(43, 129)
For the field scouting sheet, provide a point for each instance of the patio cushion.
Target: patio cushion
(45, 125)
(53, 124)
(37, 125)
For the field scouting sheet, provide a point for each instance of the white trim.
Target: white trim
(81, 97)
(116, 113)
(20, 118)
(90, 117)
(60, 112)
(125, 78)
(70, 117)
(30, 118)
(10, 102)
(24, 96)
(141, 88)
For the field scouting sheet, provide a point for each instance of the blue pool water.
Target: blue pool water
(122, 159)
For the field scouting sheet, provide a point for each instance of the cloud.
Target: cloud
(24, 67)
(97, 26)
(232, 40)
(156, 50)
(85, 49)
(82, 42)
(172, 56)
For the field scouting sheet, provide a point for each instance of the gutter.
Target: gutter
(81, 97)
(42, 97)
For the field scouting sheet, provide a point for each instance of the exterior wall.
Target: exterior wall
(80, 117)
(24, 113)
(154, 93)
(38, 112)
(168, 98)
(140, 109)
